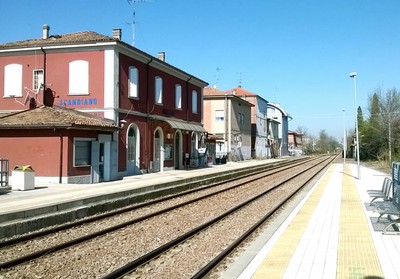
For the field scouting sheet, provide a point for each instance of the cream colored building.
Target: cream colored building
(228, 117)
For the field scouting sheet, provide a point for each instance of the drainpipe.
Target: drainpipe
(187, 99)
(146, 155)
(61, 158)
(44, 73)
(188, 138)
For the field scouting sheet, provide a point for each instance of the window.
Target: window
(178, 96)
(38, 79)
(82, 152)
(219, 115)
(133, 86)
(241, 118)
(158, 90)
(131, 145)
(13, 80)
(194, 101)
(78, 77)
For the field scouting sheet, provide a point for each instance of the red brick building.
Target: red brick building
(157, 106)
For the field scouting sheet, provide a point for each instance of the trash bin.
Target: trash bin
(4, 172)
(223, 160)
(23, 178)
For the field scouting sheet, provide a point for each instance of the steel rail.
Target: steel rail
(128, 268)
(59, 228)
(87, 237)
(214, 262)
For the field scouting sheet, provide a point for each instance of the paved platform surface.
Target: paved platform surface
(332, 233)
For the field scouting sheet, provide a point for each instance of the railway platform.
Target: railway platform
(48, 204)
(332, 233)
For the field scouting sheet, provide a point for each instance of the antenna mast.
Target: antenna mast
(240, 79)
(218, 69)
(132, 3)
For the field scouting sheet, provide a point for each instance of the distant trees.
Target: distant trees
(322, 145)
(326, 143)
(380, 133)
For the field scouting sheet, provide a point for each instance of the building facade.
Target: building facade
(278, 120)
(60, 144)
(261, 142)
(295, 144)
(157, 106)
(228, 117)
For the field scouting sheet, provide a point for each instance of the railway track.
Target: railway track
(147, 265)
(13, 266)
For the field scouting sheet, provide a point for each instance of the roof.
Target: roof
(4, 113)
(211, 91)
(77, 37)
(239, 91)
(82, 38)
(45, 117)
(175, 124)
(278, 107)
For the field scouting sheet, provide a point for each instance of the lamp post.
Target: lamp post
(344, 137)
(354, 75)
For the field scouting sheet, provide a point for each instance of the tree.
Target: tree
(381, 131)
(302, 130)
(390, 112)
(371, 142)
(326, 143)
(308, 140)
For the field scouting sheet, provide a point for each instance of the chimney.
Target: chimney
(161, 56)
(46, 30)
(116, 33)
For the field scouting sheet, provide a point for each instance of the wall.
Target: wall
(56, 79)
(42, 153)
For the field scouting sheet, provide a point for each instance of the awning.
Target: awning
(186, 126)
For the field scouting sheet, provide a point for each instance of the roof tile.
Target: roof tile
(45, 117)
(77, 37)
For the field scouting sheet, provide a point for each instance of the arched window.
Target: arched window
(194, 145)
(178, 96)
(79, 77)
(133, 83)
(194, 101)
(13, 80)
(131, 145)
(158, 94)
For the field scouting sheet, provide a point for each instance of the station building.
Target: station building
(139, 114)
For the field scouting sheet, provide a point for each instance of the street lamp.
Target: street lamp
(354, 75)
(344, 137)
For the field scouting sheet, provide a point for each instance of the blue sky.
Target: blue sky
(297, 53)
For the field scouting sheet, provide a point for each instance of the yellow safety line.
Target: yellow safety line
(357, 257)
(277, 260)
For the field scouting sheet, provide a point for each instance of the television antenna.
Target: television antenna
(133, 3)
(30, 95)
(240, 79)
(217, 70)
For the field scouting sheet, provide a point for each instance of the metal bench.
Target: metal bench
(391, 208)
(384, 193)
